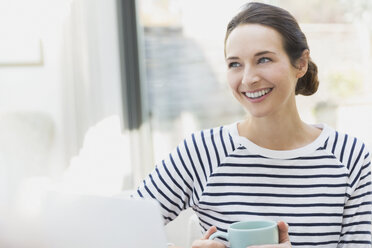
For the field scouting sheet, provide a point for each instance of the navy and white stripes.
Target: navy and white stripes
(323, 190)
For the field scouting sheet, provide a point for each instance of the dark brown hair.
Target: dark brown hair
(294, 40)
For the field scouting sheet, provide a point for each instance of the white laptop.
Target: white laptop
(83, 221)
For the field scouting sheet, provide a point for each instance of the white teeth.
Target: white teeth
(257, 94)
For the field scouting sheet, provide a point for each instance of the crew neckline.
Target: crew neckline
(281, 154)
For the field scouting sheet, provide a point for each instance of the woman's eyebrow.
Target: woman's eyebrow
(256, 55)
(262, 53)
(232, 58)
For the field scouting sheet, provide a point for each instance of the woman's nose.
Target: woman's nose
(249, 76)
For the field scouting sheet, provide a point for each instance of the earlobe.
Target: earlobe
(302, 63)
(301, 71)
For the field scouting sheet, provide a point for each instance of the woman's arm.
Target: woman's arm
(172, 182)
(357, 217)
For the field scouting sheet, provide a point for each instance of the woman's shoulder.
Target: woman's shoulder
(346, 146)
(216, 138)
(216, 132)
(343, 138)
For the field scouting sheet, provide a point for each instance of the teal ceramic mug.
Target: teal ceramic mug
(246, 233)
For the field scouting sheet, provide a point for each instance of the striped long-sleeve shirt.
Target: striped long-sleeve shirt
(322, 190)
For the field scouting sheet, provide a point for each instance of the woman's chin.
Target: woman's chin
(257, 113)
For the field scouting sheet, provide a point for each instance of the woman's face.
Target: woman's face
(259, 70)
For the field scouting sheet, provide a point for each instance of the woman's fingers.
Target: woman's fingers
(283, 232)
(206, 243)
(283, 238)
(210, 231)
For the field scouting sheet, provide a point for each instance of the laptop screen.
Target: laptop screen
(83, 221)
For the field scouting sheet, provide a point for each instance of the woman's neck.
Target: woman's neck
(278, 133)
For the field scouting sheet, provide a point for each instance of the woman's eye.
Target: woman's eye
(234, 64)
(263, 60)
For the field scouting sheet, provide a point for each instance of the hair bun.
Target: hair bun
(308, 84)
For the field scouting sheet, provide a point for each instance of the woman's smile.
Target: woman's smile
(257, 95)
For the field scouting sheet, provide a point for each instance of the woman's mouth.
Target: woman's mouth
(258, 94)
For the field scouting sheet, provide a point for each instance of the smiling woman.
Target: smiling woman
(263, 67)
(271, 165)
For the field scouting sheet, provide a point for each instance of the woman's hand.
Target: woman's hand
(206, 243)
(283, 238)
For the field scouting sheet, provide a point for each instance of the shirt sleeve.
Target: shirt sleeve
(357, 217)
(171, 183)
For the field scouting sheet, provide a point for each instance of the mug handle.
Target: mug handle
(219, 234)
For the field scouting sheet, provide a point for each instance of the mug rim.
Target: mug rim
(270, 225)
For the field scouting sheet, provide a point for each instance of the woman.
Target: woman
(313, 180)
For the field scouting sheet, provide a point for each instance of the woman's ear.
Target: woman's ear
(302, 63)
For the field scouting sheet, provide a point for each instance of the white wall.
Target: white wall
(78, 83)
(31, 133)
(91, 71)
(71, 82)
(51, 95)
